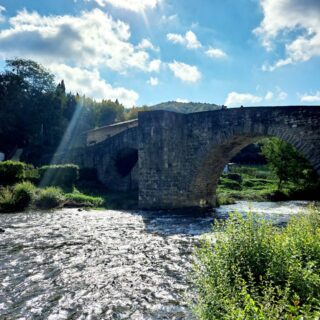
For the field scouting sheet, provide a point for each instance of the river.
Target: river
(71, 264)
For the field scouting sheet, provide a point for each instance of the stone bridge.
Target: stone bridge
(175, 160)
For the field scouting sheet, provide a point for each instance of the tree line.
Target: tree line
(35, 111)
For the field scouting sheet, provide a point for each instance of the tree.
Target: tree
(35, 75)
(287, 163)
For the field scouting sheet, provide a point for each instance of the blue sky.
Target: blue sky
(233, 52)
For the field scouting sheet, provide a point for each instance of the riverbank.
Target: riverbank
(259, 183)
(255, 270)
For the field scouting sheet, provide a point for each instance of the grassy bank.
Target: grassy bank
(254, 270)
(259, 183)
(25, 195)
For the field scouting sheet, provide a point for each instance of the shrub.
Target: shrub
(6, 200)
(12, 172)
(17, 198)
(49, 198)
(64, 176)
(257, 271)
(23, 194)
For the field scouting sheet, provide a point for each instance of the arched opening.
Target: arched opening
(212, 171)
(126, 159)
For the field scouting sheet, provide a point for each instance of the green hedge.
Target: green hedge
(12, 172)
(64, 176)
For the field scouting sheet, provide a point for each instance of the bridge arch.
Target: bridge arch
(192, 149)
(213, 160)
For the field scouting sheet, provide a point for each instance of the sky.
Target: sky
(143, 52)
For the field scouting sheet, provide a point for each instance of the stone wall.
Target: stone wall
(103, 157)
(181, 157)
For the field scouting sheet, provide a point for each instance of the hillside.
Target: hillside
(185, 107)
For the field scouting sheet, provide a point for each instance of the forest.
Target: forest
(36, 110)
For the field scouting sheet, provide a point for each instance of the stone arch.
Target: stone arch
(215, 156)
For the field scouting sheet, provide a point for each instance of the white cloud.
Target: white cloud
(282, 96)
(169, 19)
(91, 39)
(2, 17)
(311, 98)
(185, 72)
(90, 83)
(182, 100)
(147, 44)
(235, 99)
(154, 65)
(153, 81)
(296, 23)
(215, 53)
(189, 40)
(132, 5)
(269, 96)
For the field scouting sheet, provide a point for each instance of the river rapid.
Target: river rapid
(71, 264)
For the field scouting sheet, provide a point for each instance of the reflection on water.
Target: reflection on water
(103, 264)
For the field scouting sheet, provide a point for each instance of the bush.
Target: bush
(17, 198)
(64, 176)
(49, 198)
(6, 200)
(12, 172)
(257, 271)
(23, 194)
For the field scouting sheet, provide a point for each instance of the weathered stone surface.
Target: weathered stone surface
(181, 156)
(103, 156)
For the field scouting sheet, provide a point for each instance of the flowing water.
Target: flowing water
(71, 264)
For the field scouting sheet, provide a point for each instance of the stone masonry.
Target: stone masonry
(181, 156)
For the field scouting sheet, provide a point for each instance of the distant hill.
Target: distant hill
(185, 107)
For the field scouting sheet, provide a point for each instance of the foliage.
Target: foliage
(17, 198)
(62, 175)
(23, 194)
(287, 163)
(80, 198)
(12, 172)
(256, 183)
(49, 198)
(35, 112)
(254, 270)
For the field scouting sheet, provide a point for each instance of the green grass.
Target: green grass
(77, 197)
(49, 198)
(254, 270)
(257, 183)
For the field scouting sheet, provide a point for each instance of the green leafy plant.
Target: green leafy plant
(16, 198)
(49, 198)
(12, 172)
(254, 270)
